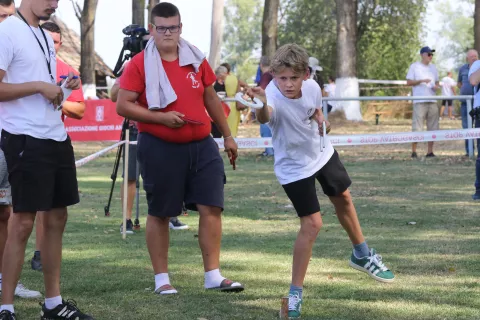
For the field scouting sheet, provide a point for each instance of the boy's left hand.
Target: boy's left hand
(319, 118)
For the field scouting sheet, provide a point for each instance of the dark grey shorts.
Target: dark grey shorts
(132, 156)
(173, 174)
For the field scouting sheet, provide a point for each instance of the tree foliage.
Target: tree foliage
(243, 36)
(388, 35)
(456, 29)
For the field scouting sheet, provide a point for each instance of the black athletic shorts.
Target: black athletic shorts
(447, 103)
(333, 178)
(42, 172)
(173, 174)
(132, 156)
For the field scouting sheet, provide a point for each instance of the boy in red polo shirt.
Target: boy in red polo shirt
(179, 160)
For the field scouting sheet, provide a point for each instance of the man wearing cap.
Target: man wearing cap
(423, 77)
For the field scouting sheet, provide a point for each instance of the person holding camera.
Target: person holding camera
(38, 152)
(175, 223)
(168, 90)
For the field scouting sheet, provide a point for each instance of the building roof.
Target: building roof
(70, 50)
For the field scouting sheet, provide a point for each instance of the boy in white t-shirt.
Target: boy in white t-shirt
(292, 109)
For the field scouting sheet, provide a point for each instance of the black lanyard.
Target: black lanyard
(41, 47)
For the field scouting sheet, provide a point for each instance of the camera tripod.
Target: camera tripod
(116, 164)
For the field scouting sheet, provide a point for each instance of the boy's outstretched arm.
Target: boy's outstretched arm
(264, 114)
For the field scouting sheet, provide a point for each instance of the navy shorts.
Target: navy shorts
(333, 178)
(132, 156)
(173, 174)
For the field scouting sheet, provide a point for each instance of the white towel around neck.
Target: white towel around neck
(158, 88)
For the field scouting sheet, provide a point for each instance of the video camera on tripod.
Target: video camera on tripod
(133, 43)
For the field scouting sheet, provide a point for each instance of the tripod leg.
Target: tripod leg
(136, 226)
(115, 167)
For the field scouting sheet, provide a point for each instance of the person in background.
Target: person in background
(265, 79)
(448, 90)
(330, 89)
(466, 89)
(232, 86)
(219, 87)
(423, 77)
(175, 223)
(7, 9)
(474, 78)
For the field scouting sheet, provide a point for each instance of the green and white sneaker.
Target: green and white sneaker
(373, 266)
(294, 305)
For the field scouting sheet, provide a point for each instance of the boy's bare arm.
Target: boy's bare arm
(264, 114)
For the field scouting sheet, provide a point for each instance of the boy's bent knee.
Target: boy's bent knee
(312, 224)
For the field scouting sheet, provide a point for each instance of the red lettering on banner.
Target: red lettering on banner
(100, 122)
(473, 135)
(349, 140)
(454, 135)
(247, 143)
(368, 140)
(434, 137)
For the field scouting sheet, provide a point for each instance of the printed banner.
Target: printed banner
(100, 123)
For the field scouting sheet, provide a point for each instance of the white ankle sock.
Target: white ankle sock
(213, 279)
(8, 307)
(52, 303)
(161, 279)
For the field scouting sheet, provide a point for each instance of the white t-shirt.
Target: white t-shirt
(24, 61)
(295, 137)
(447, 86)
(330, 89)
(419, 71)
(476, 99)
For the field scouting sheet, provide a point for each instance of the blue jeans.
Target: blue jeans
(477, 163)
(265, 132)
(465, 115)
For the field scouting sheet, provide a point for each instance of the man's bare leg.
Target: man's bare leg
(51, 247)
(4, 215)
(210, 238)
(19, 229)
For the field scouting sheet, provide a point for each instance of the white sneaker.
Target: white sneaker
(22, 292)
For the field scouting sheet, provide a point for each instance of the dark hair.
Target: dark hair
(331, 78)
(51, 26)
(6, 3)
(227, 65)
(165, 10)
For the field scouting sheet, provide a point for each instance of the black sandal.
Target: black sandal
(226, 286)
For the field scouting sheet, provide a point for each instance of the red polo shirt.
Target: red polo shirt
(62, 70)
(189, 88)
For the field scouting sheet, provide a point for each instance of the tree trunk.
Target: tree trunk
(216, 33)
(151, 5)
(138, 12)
(270, 27)
(347, 82)
(476, 28)
(88, 61)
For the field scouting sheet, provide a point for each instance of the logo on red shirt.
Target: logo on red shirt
(195, 83)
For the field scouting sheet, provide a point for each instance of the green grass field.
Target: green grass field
(436, 261)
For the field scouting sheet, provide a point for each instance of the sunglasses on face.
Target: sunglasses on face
(430, 54)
